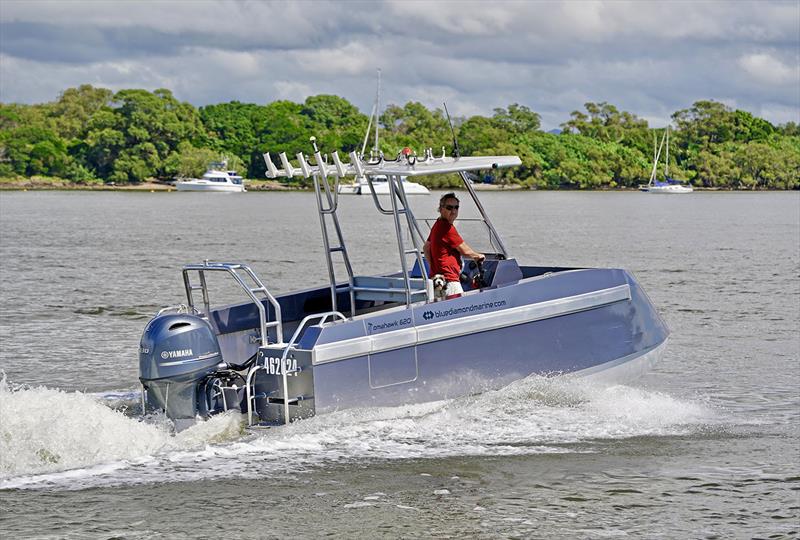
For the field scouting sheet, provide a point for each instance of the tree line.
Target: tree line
(92, 135)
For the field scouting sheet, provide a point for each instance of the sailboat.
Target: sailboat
(669, 185)
(377, 184)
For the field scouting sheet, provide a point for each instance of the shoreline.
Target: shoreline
(42, 184)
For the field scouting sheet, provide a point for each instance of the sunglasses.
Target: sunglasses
(450, 206)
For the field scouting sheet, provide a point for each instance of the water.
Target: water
(705, 446)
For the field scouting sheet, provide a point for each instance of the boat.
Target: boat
(668, 185)
(386, 339)
(380, 186)
(216, 178)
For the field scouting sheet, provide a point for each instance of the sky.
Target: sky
(650, 58)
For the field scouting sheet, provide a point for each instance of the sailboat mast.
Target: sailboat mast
(655, 159)
(666, 161)
(369, 128)
(377, 112)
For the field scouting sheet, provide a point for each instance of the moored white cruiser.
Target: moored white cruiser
(380, 186)
(216, 178)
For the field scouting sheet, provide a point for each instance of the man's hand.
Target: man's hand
(467, 251)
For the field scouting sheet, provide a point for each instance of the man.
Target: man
(444, 247)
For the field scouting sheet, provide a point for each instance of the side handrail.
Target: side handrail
(251, 374)
(400, 193)
(484, 215)
(231, 269)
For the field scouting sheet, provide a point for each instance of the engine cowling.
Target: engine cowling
(177, 353)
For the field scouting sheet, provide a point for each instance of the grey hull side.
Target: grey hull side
(579, 321)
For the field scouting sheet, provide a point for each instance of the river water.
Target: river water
(707, 445)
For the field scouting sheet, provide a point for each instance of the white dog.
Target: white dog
(439, 287)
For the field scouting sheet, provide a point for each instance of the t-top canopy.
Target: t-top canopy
(404, 165)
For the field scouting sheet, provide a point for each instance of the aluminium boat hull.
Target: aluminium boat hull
(592, 322)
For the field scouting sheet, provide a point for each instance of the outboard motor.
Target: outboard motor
(181, 369)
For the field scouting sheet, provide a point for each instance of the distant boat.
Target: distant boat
(216, 178)
(380, 184)
(668, 185)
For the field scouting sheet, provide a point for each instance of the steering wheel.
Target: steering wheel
(473, 275)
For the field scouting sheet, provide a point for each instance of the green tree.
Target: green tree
(282, 129)
(130, 141)
(604, 122)
(706, 123)
(517, 119)
(751, 128)
(338, 125)
(416, 127)
(75, 107)
(790, 128)
(232, 130)
(30, 150)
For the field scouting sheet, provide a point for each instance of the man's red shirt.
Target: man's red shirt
(445, 258)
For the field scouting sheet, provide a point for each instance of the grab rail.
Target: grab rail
(323, 317)
(231, 268)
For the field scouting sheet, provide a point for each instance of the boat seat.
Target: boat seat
(388, 289)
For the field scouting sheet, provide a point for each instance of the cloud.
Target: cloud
(351, 58)
(292, 91)
(650, 58)
(770, 70)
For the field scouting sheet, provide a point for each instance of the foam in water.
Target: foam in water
(73, 440)
(44, 430)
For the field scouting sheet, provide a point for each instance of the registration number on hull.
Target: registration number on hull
(274, 366)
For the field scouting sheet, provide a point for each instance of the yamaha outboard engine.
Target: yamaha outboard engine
(181, 369)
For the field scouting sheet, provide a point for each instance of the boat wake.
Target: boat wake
(70, 440)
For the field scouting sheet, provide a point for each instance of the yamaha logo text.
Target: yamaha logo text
(180, 353)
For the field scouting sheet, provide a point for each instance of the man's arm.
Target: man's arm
(426, 250)
(467, 251)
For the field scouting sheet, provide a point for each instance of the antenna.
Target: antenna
(456, 151)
